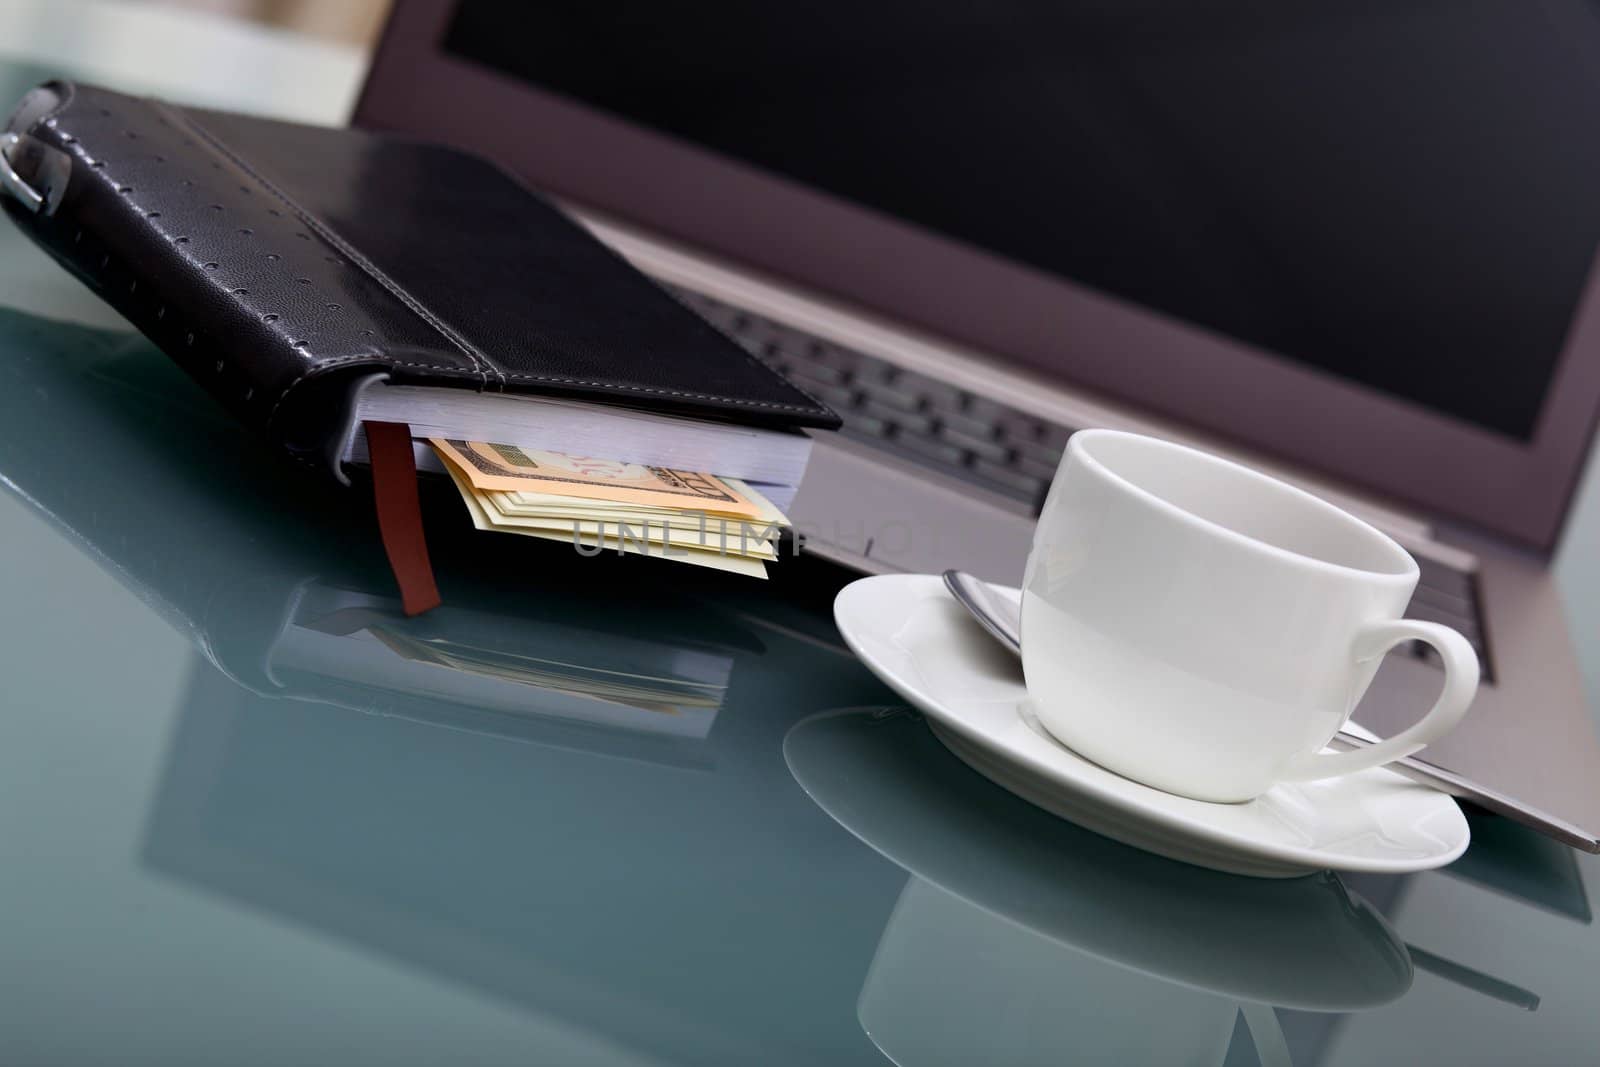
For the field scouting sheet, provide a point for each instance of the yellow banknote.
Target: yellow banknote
(506, 468)
(485, 518)
(523, 502)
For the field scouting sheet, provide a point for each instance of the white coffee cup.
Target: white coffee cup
(1205, 629)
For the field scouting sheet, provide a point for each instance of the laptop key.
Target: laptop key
(906, 422)
(889, 396)
(828, 355)
(1429, 655)
(937, 395)
(1015, 426)
(819, 372)
(869, 427)
(985, 447)
(1445, 579)
(930, 448)
(1034, 468)
(1443, 601)
(986, 410)
(1041, 449)
(876, 371)
(1054, 437)
(1010, 481)
(1466, 625)
(966, 424)
(837, 397)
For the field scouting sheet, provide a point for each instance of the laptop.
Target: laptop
(1350, 244)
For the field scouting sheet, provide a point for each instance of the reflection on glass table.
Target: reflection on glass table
(564, 790)
(557, 824)
(619, 799)
(279, 579)
(1012, 913)
(358, 649)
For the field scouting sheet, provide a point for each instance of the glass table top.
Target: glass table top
(593, 811)
(597, 811)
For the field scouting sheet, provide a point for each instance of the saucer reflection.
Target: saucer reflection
(1012, 914)
(1303, 942)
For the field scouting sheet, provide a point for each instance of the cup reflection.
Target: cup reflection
(1018, 927)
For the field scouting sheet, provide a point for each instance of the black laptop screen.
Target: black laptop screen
(1404, 193)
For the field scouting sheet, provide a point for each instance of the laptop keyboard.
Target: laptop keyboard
(929, 422)
(979, 442)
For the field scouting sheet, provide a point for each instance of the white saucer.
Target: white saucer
(911, 634)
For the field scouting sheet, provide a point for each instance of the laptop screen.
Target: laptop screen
(1402, 193)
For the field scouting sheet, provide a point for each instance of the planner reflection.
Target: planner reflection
(562, 792)
(1018, 931)
(280, 580)
(581, 668)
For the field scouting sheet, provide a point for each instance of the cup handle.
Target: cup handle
(1460, 686)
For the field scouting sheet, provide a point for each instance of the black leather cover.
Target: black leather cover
(277, 263)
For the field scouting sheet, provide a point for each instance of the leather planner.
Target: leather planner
(287, 267)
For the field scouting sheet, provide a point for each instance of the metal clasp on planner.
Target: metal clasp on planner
(11, 181)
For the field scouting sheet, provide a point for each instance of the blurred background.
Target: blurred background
(350, 22)
(305, 59)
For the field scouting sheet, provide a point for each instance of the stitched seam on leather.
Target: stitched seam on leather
(613, 386)
(609, 386)
(480, 362)
(746, 353)
(465, 346)
(78, 150)
(797, 388)
(751, 357)
(622, 259)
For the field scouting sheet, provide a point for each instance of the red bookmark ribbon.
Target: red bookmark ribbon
(394, 491)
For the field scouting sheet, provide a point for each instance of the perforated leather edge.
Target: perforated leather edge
(133, 227)
(133, 245)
